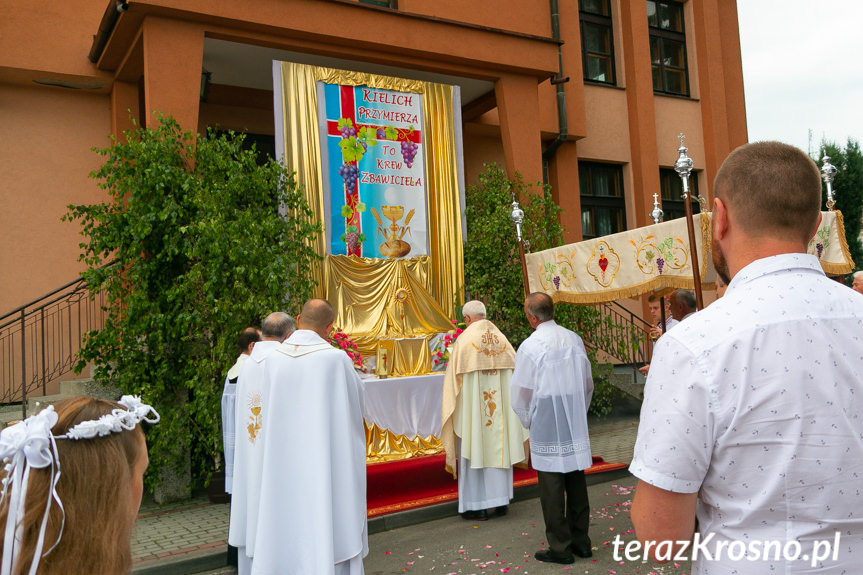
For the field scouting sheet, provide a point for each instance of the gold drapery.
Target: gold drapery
(443, 197)
(302, 143)
(383, 445)
(407, 356)
(385, 298)
(303, 156)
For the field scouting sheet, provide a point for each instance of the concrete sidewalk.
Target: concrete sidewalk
(187, 538)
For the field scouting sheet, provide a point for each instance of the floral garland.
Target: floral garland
(441, 355)
(341, 340)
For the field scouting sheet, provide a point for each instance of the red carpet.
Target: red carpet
(420, 481)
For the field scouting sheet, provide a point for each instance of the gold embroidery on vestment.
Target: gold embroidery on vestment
(490, 406)
(254, 426)
(490, 344)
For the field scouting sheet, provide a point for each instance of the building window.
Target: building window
(603, 206)
(667, 47)
(384, 3)
(672, 194)
(597, 45)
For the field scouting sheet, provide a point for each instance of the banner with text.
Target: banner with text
(373, 165)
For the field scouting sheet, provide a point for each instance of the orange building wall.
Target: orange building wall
(481, 147)
(45, 168)
(49, 36)
(514, 15)
(505, 42)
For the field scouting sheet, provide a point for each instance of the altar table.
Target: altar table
(402, 416)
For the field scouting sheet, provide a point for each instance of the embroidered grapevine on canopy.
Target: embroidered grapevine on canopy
(341, 340)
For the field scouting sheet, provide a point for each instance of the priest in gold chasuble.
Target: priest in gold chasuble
(482, 436)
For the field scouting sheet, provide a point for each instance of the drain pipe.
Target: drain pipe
(559, 80)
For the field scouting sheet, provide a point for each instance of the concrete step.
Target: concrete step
(10, 414)
(629, 381)
(34, 404)
(88, 387)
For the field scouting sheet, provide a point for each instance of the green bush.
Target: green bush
(201, 251)
(493, 272)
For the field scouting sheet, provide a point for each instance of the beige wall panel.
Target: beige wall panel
(675, 116)
(46, 158)
(607, 125)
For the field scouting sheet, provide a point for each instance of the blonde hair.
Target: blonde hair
(95, 488)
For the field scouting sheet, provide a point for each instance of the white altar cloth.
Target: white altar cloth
(407, 406)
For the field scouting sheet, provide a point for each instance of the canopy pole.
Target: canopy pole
(683, 167)
(517, 216)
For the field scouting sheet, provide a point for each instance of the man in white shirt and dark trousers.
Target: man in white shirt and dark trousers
(551, 389)
(751, 421)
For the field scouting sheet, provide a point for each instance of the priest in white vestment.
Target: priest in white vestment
(552, 387)
(311, 510)
(250, 390)
(482, 436)
(246, 343)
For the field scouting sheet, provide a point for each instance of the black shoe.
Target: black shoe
(547, 557)
(481, 515)
(584, 554)
(502, 510)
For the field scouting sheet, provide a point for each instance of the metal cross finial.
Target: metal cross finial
(657, 212)
(517, 216)
(683, 165)
(681, 137)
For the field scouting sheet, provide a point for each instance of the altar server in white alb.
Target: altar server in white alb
(312, 509)
(482, 436)
(551, 391)
(246, 342)
(252, 391)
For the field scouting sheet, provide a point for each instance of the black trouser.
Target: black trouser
(566, 511)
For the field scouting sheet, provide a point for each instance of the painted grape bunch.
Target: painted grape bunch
(819, 247)
(659, 264)
(352, 239)
(556, 280)
(409, 152)
(349, 173)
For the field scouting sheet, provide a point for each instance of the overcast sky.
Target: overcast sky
(803, 69)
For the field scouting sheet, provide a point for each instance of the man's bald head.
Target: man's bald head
(318, 316)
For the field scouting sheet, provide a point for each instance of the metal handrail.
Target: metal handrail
(620, 325)
(40, 340)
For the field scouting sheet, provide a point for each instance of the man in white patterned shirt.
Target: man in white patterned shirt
(751, 422)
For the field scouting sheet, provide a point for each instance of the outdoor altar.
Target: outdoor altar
(379, 160)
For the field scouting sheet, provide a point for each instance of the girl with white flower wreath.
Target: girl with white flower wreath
(71, 487)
